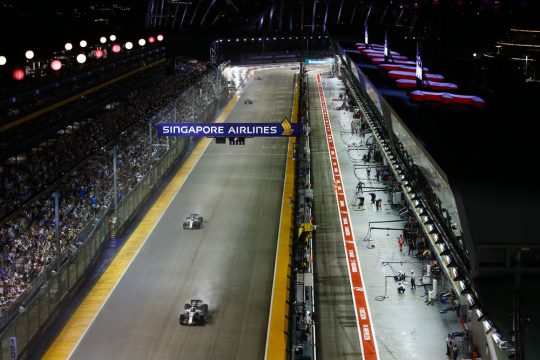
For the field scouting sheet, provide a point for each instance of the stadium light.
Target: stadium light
(18, 74)
(98, 54)
(3, 60)
(116, 48)
(160, 37)
(29, 54)
(151, 39)
(81, 58)
(83, 43)
(112, 37)
(68, 46)
(142, 42)
(103, 39)
(56, 64)
(129, 45)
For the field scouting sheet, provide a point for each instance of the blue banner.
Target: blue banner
(285, 128)
(321, 61)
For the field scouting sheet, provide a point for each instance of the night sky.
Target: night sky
(456, 27)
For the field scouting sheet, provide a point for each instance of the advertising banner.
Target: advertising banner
(319, 61)
(285, 128)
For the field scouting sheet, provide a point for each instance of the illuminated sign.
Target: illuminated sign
(285, 128)
(419, 73)
(323, 61)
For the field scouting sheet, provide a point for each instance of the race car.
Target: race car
(195, 313)
(193, 221)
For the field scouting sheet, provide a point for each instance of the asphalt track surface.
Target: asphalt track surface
(229, 263)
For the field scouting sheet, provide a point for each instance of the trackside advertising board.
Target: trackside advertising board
(285, 128)
(319, 61)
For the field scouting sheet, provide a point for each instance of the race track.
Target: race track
(229, 263)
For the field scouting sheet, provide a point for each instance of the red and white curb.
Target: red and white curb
(363, 319)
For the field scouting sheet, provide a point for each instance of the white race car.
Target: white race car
(195, 313)
(193, 221)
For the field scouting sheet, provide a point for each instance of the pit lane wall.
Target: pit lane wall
(303, 342)
(281, 322)
(52, 291)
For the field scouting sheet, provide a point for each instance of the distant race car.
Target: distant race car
(193, 221)
(195, 313)
(248, 102)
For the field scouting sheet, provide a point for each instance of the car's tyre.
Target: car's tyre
(204, 308)
(185, 227)
(201, 320)
(187, 306)
(182, 319)
(200, 219)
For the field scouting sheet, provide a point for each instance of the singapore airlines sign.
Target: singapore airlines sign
(285, 128)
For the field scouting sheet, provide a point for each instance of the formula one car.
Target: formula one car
(248, 102)
(193, 221)
(195, 313)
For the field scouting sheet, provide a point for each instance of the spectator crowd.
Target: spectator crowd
(78, 164)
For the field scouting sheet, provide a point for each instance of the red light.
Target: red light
(56, 65)
(151, 39)
(116, 48)
(18, 74)
(98, 53)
